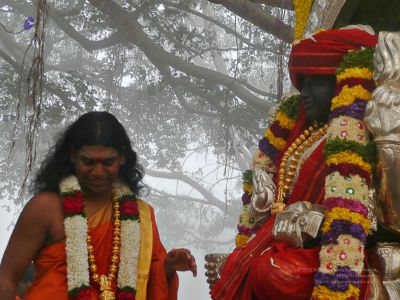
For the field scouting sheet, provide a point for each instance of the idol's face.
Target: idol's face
(96, 168)
(317, 93)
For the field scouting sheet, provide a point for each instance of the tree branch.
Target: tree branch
(87, 44)
(252, 13)
(200, 93)
(231, 118)
(186, 106)
(9, 59)
(71, 11)
(210, 49)
(227, 29)
(160, 57)
(180, 197)
(211, 199)
(285, 4)
(54, 91)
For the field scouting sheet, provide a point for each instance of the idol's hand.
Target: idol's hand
(180, 260)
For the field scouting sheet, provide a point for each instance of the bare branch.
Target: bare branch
(227, 29)
(9, 59)
(252, 13)
(180, 197)
(285, 4)
(210, 49)
(69, 12)
(187, 106)
(160, 57)
(210, 198)
(256, 90)
(62, 97)
(88, 45)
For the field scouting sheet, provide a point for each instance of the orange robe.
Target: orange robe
(50, 280)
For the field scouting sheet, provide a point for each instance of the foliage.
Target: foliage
(183, 77)
(360, 58)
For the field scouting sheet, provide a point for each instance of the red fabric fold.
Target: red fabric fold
(238, 280)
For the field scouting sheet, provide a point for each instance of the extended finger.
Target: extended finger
(193, 266)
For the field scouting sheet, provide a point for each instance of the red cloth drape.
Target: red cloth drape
(247, 267)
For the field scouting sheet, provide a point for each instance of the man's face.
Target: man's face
(96, 168)
(317, 94)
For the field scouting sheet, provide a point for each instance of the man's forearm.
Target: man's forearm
(169, 271)
(8, 289)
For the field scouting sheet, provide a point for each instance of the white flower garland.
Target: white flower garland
(76, 228)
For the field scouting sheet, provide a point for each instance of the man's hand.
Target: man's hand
(180, 260)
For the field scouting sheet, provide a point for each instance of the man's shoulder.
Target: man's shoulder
(46, 198)
(44, 212)
(44, 202)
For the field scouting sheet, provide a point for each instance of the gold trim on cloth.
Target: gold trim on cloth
(102, 215)
(146, 249)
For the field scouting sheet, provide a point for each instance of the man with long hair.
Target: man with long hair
(87, 231)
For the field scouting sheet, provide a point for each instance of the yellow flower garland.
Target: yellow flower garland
(302, 9)
(339, 213)
(348, 157)
(322, 292)
(248, 188)
(278, 143)
(349, 94)
(285, 121)
(241, 239)
(361, 73)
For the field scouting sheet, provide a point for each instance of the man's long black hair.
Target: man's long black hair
(93, 128)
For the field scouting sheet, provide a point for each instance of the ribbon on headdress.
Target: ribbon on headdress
(322, 53)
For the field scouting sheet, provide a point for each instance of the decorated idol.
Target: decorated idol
(303, 231)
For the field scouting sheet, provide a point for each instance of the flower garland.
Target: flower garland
(350, 156)
(350, 159)
(272, 143)
(76, 230)
(302, 9)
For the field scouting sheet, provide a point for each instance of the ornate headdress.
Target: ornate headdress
(322, 53)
